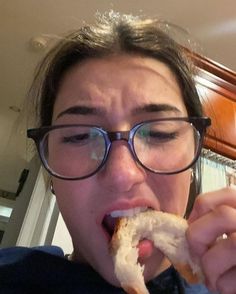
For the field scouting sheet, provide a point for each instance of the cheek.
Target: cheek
(172, 191)
(74, 199)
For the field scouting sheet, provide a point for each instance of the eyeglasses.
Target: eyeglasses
(162, 146)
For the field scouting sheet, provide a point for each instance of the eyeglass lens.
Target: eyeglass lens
(74, 151)
(78, 151)
(166, 146)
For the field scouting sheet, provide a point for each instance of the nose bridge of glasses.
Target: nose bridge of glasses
(116, 136)
(121, 136)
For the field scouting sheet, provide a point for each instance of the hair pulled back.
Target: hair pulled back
(113, 34)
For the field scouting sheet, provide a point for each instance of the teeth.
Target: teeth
(128, 212)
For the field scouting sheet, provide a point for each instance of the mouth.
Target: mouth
(110, 220)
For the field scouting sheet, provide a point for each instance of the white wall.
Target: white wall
(62, 237)
(38, 221)
(13, 149)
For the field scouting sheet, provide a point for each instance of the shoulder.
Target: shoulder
(18, 264)
(38, 269)
(14, 254)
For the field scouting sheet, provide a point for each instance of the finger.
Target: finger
(203, 233)
(219, 260)
(227, 282)
(209, 201)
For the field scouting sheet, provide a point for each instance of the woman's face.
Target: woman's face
(116, 93)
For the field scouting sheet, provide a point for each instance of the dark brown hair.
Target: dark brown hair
(113, 33)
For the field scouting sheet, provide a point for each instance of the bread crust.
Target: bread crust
(167, 231)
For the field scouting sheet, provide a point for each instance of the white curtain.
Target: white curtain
(217, 171)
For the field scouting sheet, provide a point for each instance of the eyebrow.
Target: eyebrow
(88, 110)
(82, 110)
(155, 108)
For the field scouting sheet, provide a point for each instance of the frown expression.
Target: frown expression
(116, 93)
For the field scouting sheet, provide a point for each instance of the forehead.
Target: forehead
(119, 83)
(111, 69)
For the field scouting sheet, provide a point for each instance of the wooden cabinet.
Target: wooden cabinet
(217, 89)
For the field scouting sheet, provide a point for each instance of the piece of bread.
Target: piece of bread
(167, 231)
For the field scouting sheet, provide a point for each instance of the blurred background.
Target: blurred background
(28, 29)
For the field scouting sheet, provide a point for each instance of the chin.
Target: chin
(106, 271)
(101, 261)
(154, 266)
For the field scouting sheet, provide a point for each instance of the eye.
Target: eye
(77, 138)
(162, 136)
(158, 133)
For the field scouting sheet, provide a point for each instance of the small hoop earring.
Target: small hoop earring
(51, 188)
(192, 176)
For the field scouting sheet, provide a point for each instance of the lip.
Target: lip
(123, 204)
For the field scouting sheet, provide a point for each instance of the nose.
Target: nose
(121, 172)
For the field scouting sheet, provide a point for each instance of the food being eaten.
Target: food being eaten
(167, 232)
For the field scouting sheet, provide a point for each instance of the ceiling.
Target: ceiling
(210, 24)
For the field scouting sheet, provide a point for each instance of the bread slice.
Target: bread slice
(167, 231)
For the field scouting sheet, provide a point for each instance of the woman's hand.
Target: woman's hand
(213, 215)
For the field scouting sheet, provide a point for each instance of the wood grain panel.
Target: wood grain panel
(221, 136)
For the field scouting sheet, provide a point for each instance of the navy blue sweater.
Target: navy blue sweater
(45, 270)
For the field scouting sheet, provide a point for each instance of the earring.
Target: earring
(51, 188)
(192, 176)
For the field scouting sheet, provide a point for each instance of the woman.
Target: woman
(121, 128)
